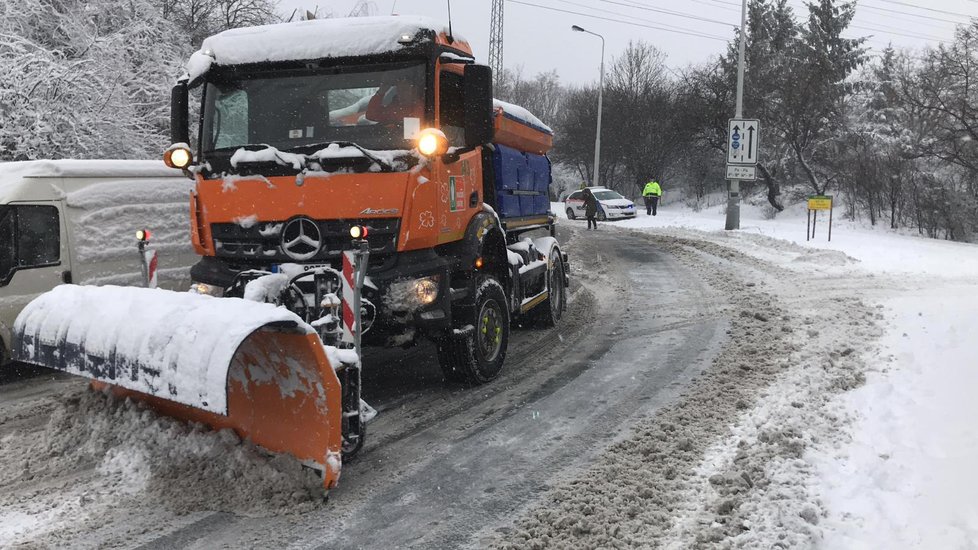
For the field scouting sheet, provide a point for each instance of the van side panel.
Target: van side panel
(103, 217)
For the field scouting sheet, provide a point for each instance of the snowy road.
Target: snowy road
(443, 465)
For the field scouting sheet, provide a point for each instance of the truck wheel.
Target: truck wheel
(570, 214)
(548, 313)
(475, 352)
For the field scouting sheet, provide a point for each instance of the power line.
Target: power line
(887, 10)
(897, 31)
(666, 29)
(628, 16)
(670, 12)
(935, 10)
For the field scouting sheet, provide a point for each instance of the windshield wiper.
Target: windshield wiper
(366, 152)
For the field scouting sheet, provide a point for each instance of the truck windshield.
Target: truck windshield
(373, 108)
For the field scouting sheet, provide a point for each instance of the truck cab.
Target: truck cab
(310, 128)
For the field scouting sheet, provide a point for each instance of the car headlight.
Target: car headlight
(204, 288)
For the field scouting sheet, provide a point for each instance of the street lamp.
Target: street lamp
(597, 138)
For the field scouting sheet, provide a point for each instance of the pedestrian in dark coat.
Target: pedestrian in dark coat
(590, 208)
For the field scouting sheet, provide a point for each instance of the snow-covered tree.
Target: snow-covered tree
(85, 80)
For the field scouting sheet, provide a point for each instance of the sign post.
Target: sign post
(816, 203)
(743, 138)
(733, 187)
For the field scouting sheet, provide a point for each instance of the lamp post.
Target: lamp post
(597, 138)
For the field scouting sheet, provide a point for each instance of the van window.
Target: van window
(7, 256)
(38, 236)
(30, 236)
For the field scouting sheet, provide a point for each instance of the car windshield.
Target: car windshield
(607, 195)
(373, 108)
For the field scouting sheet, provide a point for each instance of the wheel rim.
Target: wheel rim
(490, 331)
(556, 289)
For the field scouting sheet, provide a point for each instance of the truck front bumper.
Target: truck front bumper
(402, 293)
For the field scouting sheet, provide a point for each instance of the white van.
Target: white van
(75, 221)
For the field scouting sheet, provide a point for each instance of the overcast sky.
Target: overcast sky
(540, 39)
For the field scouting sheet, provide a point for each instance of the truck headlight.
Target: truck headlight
(178, 156)
(426, 290)
(204, 288)
(410, 294)
(431, 142)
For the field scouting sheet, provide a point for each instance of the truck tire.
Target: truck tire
(548, 313)
(474, 354)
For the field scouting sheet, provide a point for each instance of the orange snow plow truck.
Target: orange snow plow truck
(316, 138)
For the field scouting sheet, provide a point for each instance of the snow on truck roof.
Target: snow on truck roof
(315, 39)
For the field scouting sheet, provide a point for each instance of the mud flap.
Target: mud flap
(227, 363)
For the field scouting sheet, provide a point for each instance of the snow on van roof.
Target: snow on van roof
(73, 168)
(521, 114)
(302, 40)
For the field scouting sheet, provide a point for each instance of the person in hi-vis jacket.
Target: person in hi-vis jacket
(651, 194)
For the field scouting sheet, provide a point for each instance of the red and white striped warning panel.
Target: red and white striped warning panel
(349, 324)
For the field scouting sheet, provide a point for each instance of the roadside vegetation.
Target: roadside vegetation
(892, 134)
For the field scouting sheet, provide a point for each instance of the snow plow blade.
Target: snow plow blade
(224, 362)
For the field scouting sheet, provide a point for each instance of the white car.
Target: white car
(611, 205)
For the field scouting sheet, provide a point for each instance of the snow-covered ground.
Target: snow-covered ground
(835, 413)
(877, 401)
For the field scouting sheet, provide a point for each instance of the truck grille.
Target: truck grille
(262, 242)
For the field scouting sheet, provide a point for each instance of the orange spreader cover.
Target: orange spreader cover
(519, 135)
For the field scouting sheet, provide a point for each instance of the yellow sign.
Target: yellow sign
(820, 203)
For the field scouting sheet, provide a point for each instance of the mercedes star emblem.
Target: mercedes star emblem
(301, 239)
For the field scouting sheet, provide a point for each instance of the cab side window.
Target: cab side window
(30, 236)
(452, 108)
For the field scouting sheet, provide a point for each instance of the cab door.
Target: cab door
(33, 242)
(459, 178)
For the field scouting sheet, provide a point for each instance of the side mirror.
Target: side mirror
(179, 119)
(478, 105)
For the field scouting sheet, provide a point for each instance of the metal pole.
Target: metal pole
(733, 189)
(142, 263)
(597, 135)
(597, 138)
(362, 256)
